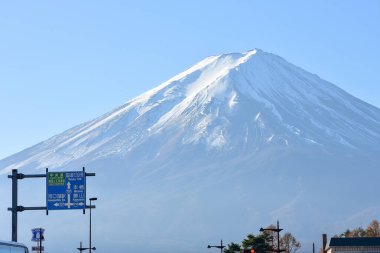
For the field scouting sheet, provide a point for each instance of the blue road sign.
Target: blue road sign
(66, 190)
(38, 234)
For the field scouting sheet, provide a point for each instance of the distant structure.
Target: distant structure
(353, 245)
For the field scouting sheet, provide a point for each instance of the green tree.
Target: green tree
(232, 248)
(346, 233)
(258, 242)
(266, 241)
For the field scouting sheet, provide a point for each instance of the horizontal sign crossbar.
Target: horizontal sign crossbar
(23, 208)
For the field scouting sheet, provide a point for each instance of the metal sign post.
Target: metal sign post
(38, 236)
(73, 195)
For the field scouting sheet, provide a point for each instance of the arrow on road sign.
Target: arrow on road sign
(68, 204)
(68, 195)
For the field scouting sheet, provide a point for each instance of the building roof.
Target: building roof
(354, 241)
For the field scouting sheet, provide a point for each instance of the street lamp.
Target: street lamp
(90, 248)
(221, 247)
(278, 230)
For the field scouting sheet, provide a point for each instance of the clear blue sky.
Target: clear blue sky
(65, 62)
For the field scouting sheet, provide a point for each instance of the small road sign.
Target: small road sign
(66, 190)
(38, 234)
(38, 248)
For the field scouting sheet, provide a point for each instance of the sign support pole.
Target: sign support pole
(14, 205)
(16, 208)
(39, 244)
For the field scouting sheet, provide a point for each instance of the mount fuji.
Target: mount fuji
(234, 143)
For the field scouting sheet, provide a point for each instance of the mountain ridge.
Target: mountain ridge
(210, 92)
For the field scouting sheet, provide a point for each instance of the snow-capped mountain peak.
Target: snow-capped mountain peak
(233, 143)
(252, 100)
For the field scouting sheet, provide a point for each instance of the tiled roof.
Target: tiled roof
(354, 241)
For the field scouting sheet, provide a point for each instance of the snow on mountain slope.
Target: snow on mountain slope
(233, 143)
(222, 103)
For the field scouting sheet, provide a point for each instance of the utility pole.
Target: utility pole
(90, 248)
(277, 230)
(81, 248)
(221, 247)
(40, 241)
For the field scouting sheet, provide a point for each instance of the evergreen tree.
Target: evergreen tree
(265, 241)
(346, 233)
(232, 248)
(258, 243)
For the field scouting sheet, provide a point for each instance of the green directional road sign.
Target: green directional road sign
(66, 190)
(56, 178)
